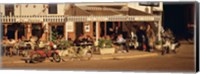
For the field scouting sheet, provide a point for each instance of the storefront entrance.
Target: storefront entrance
(37, 30)
(15, 30)
(79, 29)
(57, 31)
(11, 32)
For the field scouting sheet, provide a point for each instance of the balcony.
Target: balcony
(62, 18)
(32, 18)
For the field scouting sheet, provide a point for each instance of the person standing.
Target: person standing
(142, 39)
(151, 37)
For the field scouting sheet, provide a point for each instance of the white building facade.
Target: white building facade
(53, 16)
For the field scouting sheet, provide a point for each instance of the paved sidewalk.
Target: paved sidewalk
(131, 54)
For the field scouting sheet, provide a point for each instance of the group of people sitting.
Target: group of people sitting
(142, 39)
(11, 47)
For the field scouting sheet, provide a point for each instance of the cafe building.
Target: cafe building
(72, 20)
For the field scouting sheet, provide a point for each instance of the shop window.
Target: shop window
(52, 9)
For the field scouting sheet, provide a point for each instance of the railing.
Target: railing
(62, 18)
(113, 18)
(102, 8)
(33, 18)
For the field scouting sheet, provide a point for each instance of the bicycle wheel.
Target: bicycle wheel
(56, 57)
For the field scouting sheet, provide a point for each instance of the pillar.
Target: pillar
(97, 31)
(16, 34)
(5, 29)
(45, 35)
(105, 28)
(159, 29)
(65, 31)
(28, 30)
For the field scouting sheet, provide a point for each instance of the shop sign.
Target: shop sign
(144, 18)
(97, 19)
(87, 28)
(29, 20)
(70, 26)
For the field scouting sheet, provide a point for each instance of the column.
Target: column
(105, 28)
(97, 31)
(65, 31)
(16, 34)
(159, 29)
(5, 29)
(46, 30)
(28, 30)
(92, 29)
(50, 32)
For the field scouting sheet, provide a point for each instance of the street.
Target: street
(183, 61)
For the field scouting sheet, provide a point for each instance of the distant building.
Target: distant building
(71, 20)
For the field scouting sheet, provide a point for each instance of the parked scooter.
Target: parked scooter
(169, 44)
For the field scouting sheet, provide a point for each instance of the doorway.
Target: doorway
(79, 29)
(37, 30)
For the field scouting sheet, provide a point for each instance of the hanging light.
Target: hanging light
(26, 5)
(47, 6)
(44, 5)
(17, 6)
(34, 6)
(43, 10)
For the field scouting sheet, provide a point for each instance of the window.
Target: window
(9, 9)
(52, 8)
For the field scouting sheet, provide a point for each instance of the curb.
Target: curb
(103, 58)
(138, 56)
(126, 57)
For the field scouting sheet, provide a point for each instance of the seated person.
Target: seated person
(78, 40)
(120, 39)
(89, 39)
(121, 42)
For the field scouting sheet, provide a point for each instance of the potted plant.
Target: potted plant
(106, 46)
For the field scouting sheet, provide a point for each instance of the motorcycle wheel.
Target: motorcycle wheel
(56, 57)
(35, 58)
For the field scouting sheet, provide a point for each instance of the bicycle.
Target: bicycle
(79, 53)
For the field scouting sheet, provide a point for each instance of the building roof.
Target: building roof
(136, 12)
(75, 11)
(103, 11)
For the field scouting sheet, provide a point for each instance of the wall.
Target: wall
(142, 8)
(38, 10)
(28, 9)
(2, 9)
(134, 5)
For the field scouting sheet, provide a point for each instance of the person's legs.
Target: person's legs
(147, 45)
(2, 51)
(11, 51)
(125, 47)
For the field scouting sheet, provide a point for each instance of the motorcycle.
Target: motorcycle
(169, 44)
(40, 55)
